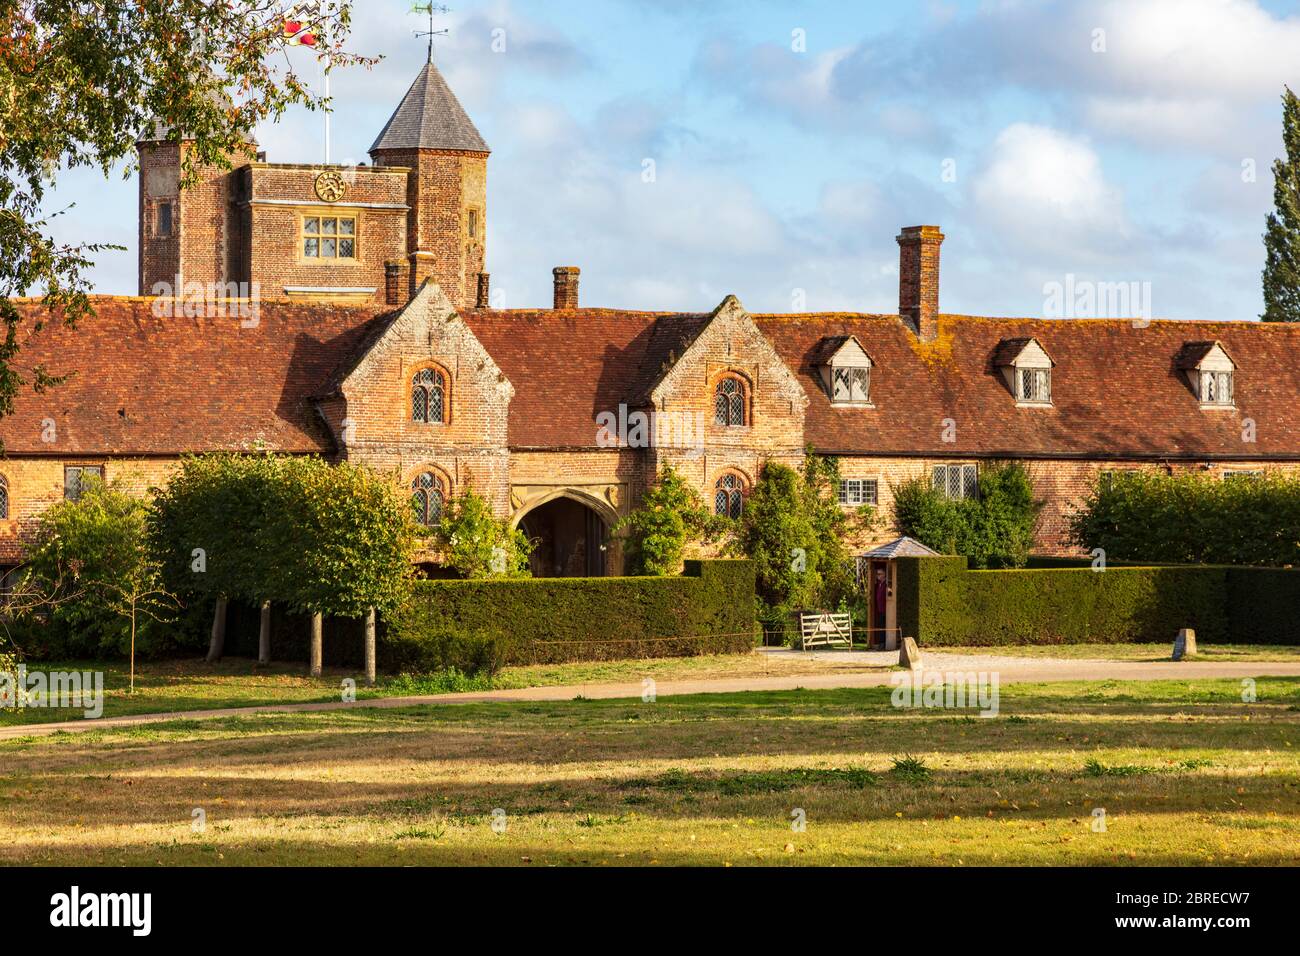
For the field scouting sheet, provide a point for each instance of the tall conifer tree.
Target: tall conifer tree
(1282, 238)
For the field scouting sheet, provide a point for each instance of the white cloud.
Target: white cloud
(1047, 189)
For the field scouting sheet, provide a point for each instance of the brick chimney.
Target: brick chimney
(566, 287)
(392, 283)
(483, 299)
(918, 279)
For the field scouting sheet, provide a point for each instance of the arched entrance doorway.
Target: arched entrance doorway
(571, 536)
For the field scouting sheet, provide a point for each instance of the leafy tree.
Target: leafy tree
(339, 541)
(478, 544)
(79, 81)
(210, 527)
(794, 531)
(670, 517)
(1282, 236)
(995, 529)
(92, 557)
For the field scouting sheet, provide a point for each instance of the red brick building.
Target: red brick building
(369, 338)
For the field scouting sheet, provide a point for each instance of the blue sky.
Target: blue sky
(783, 170)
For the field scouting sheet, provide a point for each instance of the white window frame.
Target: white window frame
(858, 384)
(1250, 474)
(1212, 388)
(1040, 393)
(958, 481)
(853, 492)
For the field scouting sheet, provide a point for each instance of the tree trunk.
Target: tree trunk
(370, 647)
(218, 642)
(264, 635)
(315, 645)
(132, 648)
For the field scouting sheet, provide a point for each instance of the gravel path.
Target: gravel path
(1009, 669)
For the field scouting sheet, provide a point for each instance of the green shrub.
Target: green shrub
(1191, 518)
(478, 544)
(794, 529)
(994, 529)
(1263, 605)
(671, 516)
(443, 650)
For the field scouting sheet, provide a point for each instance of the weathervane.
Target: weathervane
(431, 9)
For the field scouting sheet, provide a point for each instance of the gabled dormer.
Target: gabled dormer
(1026, 369)
(844, 368)
(1210, 373)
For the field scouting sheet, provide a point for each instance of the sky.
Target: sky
(682, 151)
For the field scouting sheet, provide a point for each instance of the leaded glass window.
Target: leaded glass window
(729, 496)
(427, 498)
(729, 402)
(428, 397)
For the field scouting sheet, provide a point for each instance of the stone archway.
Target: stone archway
(572, 531)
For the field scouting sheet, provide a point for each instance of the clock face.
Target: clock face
(330, 186)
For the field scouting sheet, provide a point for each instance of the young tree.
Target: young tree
(343, 542)
(91, 557)
(478, 544)
(209, 528)
(1282, 236)
(670, 518)
(79, 82)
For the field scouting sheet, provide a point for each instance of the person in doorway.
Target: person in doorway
(879, 607)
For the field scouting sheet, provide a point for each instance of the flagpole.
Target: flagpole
(327, 112)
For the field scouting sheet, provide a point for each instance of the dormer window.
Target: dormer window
(850, 384)
(1035, 385)
(1216, 388)
(1210, 373)
(1027, 370)
(845, 369)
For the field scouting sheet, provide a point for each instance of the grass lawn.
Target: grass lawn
(1185, 772)
(194, 684)
(1135, 652)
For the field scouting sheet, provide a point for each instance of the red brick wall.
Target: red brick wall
(376, 198)
(444, 187)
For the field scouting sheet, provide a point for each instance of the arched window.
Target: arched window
(4, 497)
(427, 498)
(729, 401)
(729, 496)
(429, 397)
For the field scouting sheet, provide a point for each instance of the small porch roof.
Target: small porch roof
(903, 547)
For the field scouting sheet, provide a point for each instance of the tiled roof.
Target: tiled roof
(1116, 388)
(568, 367)
(430, 117)
(1193, 353)
(141, 385)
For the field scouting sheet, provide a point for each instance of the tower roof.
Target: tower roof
(430, 117)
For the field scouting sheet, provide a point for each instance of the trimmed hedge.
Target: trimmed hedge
(709, 609)
(942, 602)
(1263, 605)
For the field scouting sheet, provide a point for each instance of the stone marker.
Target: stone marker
(1185, 644)
(909, 655)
